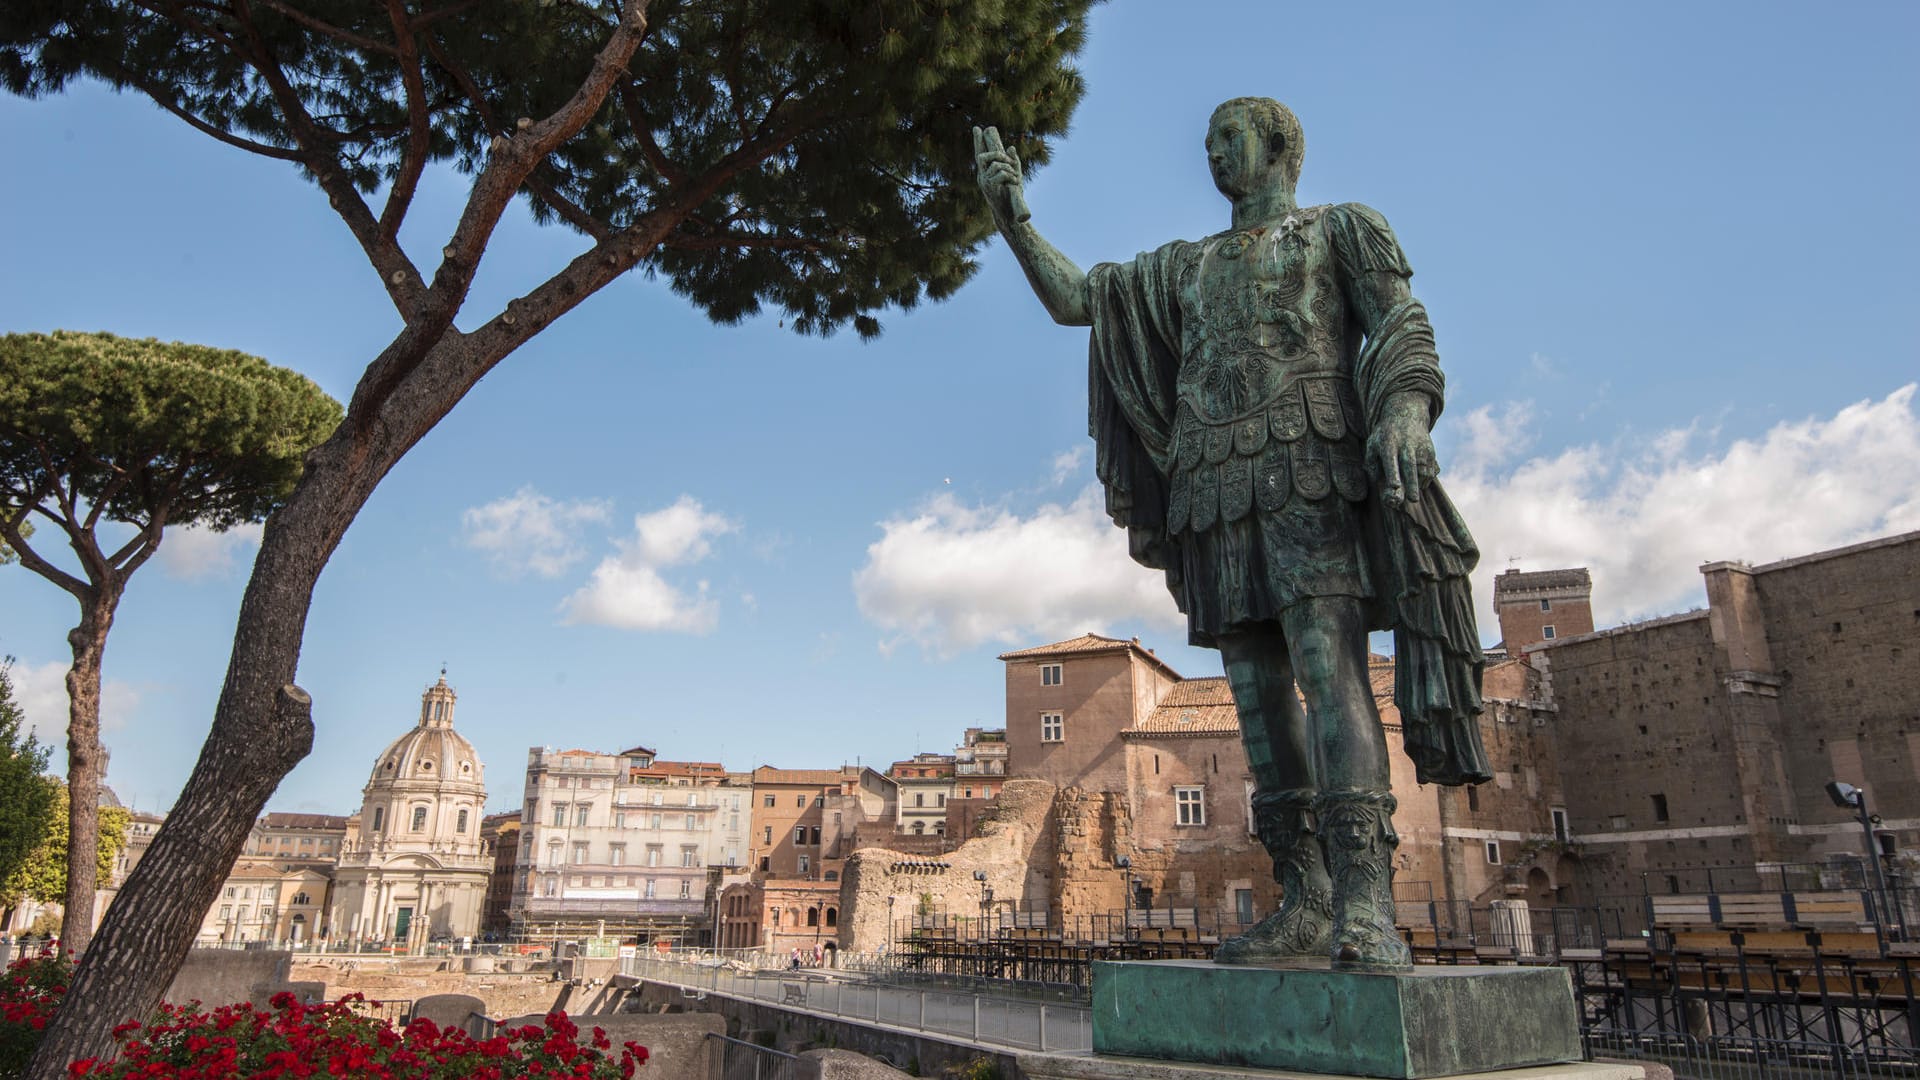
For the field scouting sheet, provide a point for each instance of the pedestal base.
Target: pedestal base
(1095, 1067)
(1406, 1025)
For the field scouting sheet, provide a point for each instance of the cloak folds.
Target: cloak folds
(1419, 554)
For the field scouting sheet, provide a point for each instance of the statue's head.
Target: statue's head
(1253, 142)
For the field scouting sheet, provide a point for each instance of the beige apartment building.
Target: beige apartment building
(925, 782)
(625, 843)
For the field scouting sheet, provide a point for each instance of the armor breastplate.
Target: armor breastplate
(1266, 401)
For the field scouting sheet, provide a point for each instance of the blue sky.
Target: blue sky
(1663, 246)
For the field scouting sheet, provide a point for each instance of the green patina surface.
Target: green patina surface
(1427, 1022)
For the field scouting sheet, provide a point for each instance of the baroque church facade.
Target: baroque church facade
(417, 869)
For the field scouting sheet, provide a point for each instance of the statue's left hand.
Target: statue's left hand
(1400, 451)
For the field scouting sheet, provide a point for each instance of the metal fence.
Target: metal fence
(1723, 1014)
(733, 1059)
(999, 1021)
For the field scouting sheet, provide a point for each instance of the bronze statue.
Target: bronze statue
(1260, 402)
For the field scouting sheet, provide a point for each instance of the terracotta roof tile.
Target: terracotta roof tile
(1085, 643)
(767, 774)
(1522, 580)
(1205, 706)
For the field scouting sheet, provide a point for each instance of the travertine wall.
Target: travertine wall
(1013, 846)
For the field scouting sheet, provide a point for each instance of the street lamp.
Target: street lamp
(1847, 797)
(986, 895)
(1125, 866)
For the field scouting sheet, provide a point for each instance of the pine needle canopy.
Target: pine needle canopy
(811, 157)
(140, 427)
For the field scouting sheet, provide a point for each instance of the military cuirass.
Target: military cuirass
(1266, 406)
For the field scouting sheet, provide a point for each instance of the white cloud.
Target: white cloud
(628, 591)
(194, 553)
(41, 691)
(1645, 515)
(527, 532)
(953, 576)
(1068, 463)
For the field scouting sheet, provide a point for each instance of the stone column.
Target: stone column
(1512, 926)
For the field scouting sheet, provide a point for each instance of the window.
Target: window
(1050, 674)
(553, 885)
(805, 864)
(969, 793)
(619, 819)
(653, 856)
(1659, 808)
(460, 823)
(833, 916)
(579, 853)
(943, 799)
(799, 834)
(689, 856)
(1560, 830)
(769, 801)
(815, 834)
(580, 813)
(919, 828)
(765, 864)
(419, 818)
(617, 854)
(1547, 631)
(800, 800)
(686, 890)
(654, 821)
(919, 798)
(1546, 605)
(1243, 905)
(553, 853)
(1053, 727)
(379, 816)
(649, 890)
(226, 912)
(766, 836)
(813, 916)
(560, 814)
(691, 823)
(1493, 853)
(1473, 797)
(1190, 807)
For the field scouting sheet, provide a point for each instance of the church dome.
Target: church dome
(432, 752)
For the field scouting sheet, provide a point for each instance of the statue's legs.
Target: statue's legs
(1354, 808)
(1280, 750)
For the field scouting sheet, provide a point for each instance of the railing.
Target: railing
(1751, 1006)
(985, 1020)
(733, 1059)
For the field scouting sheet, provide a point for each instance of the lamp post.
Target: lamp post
(1847, 797)
(1125, 865)
(986, 898)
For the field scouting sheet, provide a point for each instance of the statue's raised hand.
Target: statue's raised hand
(998, 170)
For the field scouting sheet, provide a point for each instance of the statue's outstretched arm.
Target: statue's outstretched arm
(1060, 285)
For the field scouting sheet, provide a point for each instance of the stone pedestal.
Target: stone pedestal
(1406, 1025)
(1095, 1067)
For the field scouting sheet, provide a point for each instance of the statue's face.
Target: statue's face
(1237, 153)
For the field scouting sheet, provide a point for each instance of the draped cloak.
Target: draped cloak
(1418, 555)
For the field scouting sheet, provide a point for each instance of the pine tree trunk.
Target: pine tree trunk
(263, 724)
(89, 642)
(262, 728)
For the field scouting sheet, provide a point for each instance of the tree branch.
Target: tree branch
(322, 27)
(572, 212)
(513, 159)
(16, 539)
(419, 123)
(643, 134)
(397, 273)
(149, 88)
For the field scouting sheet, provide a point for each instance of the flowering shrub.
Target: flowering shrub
(296, 1040)
(28, 994)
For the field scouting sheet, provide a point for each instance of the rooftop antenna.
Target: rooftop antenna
(1513, 561)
